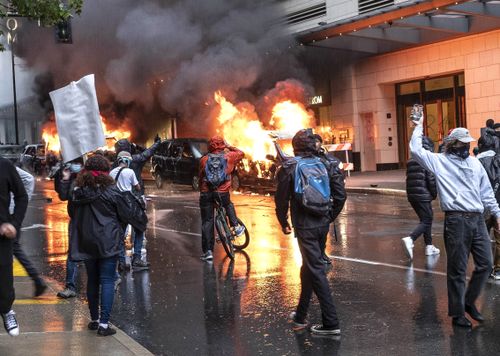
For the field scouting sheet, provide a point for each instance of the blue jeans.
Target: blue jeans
(101, 273)
(138, 237)
(71, 269)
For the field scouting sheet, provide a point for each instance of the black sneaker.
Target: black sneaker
(322, 330)
(139, 265)
(105, 331)
(40, 287)
(10, 323)
(93, 325)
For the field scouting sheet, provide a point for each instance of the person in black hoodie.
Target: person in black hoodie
(100, 213)
(10, 224)
(309, 229)
(491, 163)
(421, 191)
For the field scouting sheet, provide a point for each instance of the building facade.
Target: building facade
(388, 55)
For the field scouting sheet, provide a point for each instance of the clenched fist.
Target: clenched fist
(8, 230)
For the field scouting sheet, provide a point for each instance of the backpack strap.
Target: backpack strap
(118, 175)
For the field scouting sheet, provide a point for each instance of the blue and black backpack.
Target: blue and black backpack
(215, 170)
(312, 185)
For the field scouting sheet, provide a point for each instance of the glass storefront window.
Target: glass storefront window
(439, 83)
(409, 88)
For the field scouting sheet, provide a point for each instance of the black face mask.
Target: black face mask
(462, 152)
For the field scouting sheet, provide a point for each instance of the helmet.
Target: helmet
(124, 157)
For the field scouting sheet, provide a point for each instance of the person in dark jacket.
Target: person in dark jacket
(139, 159)
(64, 183)
(10, 224)
(99, 215)
(421, 191)
(339, 190)
(491, 163)
(310, 230)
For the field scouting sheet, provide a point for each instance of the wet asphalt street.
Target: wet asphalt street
(183, 306)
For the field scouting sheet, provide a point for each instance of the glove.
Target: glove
(157, 138)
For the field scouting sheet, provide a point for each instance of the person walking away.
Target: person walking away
(465, 192)
(10, 182)
(64, 183)
(215, 172)
(139, 159)
(40, 285)
(99, 215)
(491, 163)
(305, 186)
(126, 181)
(421, 191)
(339, 192)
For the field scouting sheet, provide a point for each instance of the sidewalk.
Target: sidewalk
(53, 326)
(383, 182)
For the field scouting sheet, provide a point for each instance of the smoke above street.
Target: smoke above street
(158, 59)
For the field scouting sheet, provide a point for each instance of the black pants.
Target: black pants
(207, 204)
(464, 234)
(24, 260)
(7, 294)
(313, 276)
(425, 214)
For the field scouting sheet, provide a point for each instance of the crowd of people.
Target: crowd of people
(105, 199)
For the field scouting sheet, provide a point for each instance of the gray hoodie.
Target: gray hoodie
(463, 184)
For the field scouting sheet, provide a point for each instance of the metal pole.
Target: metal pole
(14, 88)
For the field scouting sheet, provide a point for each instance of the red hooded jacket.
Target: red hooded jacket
(218, 145)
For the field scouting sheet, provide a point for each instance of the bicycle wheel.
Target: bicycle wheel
(224, 237)
(240, 242)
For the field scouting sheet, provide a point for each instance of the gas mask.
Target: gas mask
(462, 152)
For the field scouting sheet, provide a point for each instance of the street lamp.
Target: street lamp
(11, 37)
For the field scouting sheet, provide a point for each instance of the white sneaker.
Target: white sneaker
(408, 246)
(10, 323)
(431, 250)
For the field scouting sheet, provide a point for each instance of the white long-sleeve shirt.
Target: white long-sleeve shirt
(29, 184)
(462, 184)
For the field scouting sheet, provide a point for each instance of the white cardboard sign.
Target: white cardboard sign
(79, 125)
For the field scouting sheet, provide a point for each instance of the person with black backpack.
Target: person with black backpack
(491, 163)
(215, 183)
(421, 190)
(307, 187)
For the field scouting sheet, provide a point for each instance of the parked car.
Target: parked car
(11, 152)
(178, 160)
(33, 158)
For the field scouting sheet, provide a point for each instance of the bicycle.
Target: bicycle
(226, 235)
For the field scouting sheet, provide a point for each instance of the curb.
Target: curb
(380, 191)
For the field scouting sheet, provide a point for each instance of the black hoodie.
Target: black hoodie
(98, 221)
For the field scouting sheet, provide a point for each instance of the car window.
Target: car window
(40, 151)
(199, 149)
(175, 151)
(186, 150)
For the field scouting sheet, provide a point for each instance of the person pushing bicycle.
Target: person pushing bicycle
(215, 183)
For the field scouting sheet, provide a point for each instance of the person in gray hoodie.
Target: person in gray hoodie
(465, 192)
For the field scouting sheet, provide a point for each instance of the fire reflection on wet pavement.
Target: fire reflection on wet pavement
(185, 306)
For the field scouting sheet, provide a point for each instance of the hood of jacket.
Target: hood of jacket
(85, 195)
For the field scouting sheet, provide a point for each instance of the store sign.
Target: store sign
(317, 99)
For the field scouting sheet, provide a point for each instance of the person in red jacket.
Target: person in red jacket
(211, 192)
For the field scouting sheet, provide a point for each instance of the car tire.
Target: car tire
(235, 183)
(158, 180)
(195, 183)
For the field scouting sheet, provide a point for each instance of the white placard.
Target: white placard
(78, 122)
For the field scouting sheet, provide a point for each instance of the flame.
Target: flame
(240, 125)
(51, 138)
